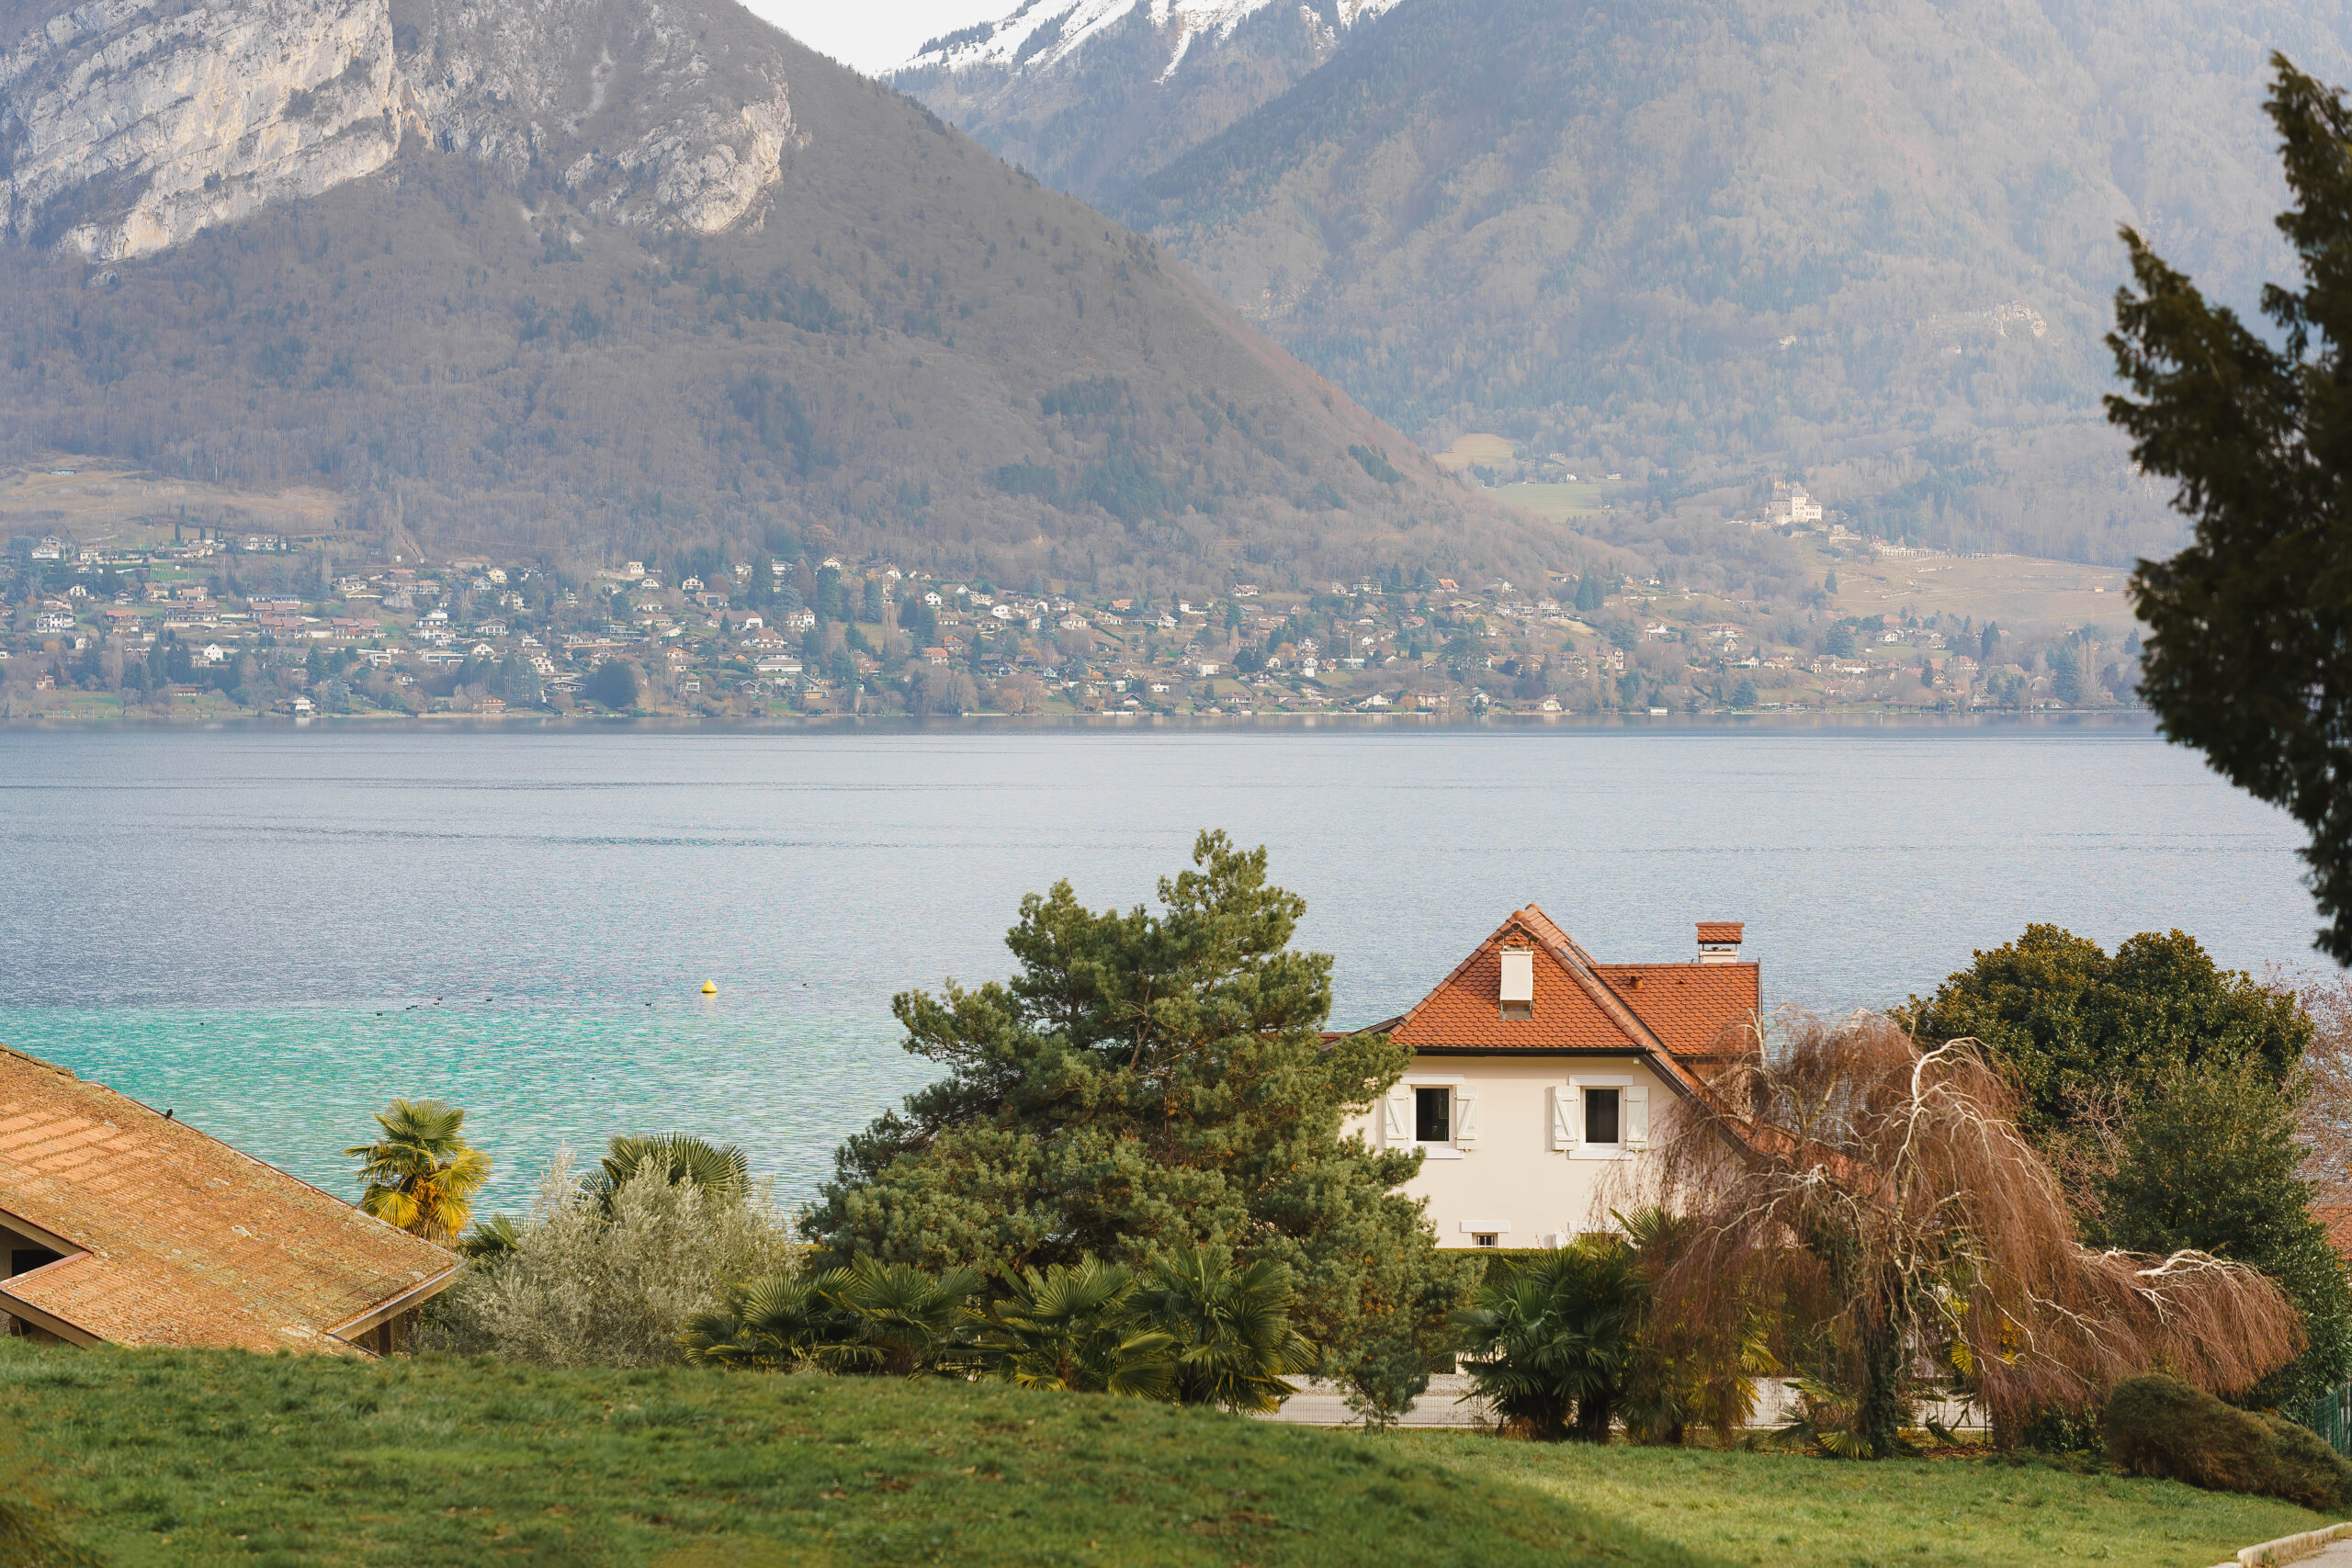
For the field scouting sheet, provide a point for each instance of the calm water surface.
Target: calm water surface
(274, 931)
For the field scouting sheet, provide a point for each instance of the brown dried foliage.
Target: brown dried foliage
(1885, 1195)
(2326, 1108)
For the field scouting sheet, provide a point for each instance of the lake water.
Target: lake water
(276, 930)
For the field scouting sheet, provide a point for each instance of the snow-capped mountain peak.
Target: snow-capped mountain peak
(1043, 33)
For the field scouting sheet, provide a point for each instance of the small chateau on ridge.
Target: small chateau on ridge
(1535, 1067)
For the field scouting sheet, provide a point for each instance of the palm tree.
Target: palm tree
(905, 1322)
(493, 1240)
(1232, 1332)
(1684, 1370)
(868, 1317)
(719, 1170)
(421, 1174)
(780, 1324)
(1552, 1338)
(1076, 1330)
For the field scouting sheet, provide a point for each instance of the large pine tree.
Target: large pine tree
(1145, 1081)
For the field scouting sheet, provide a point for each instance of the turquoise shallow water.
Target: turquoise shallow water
(299, 1087)
(273, 931)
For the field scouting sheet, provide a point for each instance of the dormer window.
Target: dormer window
(1517, 988)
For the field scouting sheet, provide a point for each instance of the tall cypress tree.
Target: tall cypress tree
(2249, 656)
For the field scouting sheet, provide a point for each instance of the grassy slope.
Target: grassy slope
(164, 1458)
(213, 1458)
(1786, 1510)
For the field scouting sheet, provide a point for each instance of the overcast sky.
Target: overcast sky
(874, 35)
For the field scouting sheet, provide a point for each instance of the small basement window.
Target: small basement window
(1601, 1115)
(1486, 1238)
(1432, 1115)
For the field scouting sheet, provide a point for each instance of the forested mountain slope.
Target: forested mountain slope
(593, 276)
(1093, 95)
(1722, 241)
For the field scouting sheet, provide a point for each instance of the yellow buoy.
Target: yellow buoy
(710, 987)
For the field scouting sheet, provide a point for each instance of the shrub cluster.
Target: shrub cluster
(2160, 1425)
(1191, 1329)
(606, 1272)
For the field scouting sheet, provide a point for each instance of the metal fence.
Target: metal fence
(2330, 1415)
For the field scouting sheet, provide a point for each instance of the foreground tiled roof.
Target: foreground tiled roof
(1681, 1015)
(185, 1241)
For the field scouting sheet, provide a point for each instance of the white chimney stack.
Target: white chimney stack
(1719, 941)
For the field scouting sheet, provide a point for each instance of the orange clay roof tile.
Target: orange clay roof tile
(185, 1241)
(1687, 1005)
(1667, 1011)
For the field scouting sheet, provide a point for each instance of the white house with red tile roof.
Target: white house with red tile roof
(121, 1225)
(1537, 1071)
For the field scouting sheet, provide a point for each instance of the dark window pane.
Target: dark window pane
(1432, 1115)
(1601, 1115)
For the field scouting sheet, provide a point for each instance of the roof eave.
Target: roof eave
(391, 1307)
(64, 1246)
(47, 1322)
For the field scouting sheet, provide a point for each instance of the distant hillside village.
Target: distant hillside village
(231, 623)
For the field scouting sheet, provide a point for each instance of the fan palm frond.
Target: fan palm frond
(1232, 1329)
(421, 1175)
(721, 1170)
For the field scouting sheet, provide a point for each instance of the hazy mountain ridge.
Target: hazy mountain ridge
(1093, 94)
(639, 274)
(1872, 247)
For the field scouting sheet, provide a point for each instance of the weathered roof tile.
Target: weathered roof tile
(187, 1241)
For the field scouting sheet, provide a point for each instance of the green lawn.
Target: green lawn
(305, 1463)
(1785, 1510)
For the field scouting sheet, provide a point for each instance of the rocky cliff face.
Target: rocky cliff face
(127, 126)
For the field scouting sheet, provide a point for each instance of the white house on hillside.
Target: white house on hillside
(1536, 1069)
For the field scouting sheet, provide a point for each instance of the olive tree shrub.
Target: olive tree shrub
(610, 1278)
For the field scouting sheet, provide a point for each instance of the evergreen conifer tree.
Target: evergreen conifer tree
(1149, 1080)
(2249, 656)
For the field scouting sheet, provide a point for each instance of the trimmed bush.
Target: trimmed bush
(2162, 1426)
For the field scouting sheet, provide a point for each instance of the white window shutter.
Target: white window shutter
(1396, 1116)
(1637, 1117)
(1465, 1116)
(1563, 1116)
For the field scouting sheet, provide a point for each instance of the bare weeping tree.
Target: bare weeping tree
(1842, 1167)
(2326, 1088)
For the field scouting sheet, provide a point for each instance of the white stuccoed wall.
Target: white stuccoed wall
(1510, 1178)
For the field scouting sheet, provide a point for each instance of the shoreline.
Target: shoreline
(1923, 718)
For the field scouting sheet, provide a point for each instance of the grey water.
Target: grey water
(273, 931)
